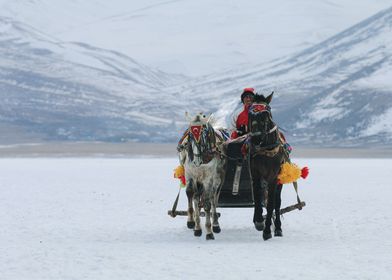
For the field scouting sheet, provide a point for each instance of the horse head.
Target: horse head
(261, 125)
(201, 140)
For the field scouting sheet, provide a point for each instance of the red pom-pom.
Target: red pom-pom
(182, 178)
(304, 172)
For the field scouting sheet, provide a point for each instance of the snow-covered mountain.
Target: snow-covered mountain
(194, 37)
(338, 92)
(75, 91)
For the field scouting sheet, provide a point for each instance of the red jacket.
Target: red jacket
(241, 121)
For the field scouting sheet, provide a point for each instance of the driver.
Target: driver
(241, 121)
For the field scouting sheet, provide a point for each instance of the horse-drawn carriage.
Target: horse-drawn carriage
(236, 190)
(206, 152)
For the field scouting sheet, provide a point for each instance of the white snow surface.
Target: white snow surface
(102, 218)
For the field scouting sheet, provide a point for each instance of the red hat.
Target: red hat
(247, 91)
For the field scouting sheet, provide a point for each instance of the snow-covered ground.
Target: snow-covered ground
(98, 218)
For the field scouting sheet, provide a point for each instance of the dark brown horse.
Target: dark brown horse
(266, 156)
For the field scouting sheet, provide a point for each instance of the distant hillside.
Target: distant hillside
(338, 92)
(78, 92)
(194, 37)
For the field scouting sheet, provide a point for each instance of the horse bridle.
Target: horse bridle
(202, 134)
(258, 109)
(268, 150)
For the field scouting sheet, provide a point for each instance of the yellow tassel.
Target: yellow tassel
(289, 172)
(179, 171)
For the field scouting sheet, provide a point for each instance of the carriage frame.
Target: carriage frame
(236, 190)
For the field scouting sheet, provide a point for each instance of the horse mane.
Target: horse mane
(212, 120)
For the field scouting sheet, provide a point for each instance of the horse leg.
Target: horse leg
(278, 201)
(270, 209)
(196, 215)
(215, 223)
(207, 209)
(258, 208)
(214, 203)
(189, 193)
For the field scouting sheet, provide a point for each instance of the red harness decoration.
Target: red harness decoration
(196, 132)
(256, 108)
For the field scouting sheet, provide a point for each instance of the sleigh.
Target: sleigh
(236, 190)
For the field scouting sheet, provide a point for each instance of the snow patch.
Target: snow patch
(380, 125)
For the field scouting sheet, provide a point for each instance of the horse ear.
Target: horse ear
(187, 116)
(269, 98)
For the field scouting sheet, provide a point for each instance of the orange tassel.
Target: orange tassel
(290, 172)
(179, 173)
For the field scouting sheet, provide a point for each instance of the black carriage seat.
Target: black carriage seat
(239, 194)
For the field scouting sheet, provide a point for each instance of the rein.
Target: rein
(261, 133)
(266, 151)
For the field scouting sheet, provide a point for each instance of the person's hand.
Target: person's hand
(242, 130)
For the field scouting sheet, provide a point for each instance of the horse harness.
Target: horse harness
(270, 150)
(205, 139)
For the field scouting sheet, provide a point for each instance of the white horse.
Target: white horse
(200, 154)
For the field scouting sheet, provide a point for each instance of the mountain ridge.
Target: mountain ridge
(336, 93)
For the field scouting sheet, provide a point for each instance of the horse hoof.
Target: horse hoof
(190, 225)
(197, 232)
(278, 232)
(259, 226)
(216, 229)
(210, 236)
(267, 235)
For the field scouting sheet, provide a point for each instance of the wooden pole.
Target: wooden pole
(287, 209)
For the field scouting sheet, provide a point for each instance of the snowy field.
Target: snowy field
(106, 218)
